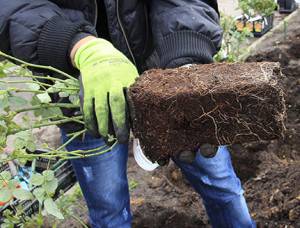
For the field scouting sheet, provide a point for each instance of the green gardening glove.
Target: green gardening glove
(105, 74)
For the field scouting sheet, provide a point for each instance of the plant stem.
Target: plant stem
(18, 90)
(51, 105)
(78, 220)
(36, 65)
(67, 155)
(24, 81)
(71, 139)
(36, 77)
(70, 119)
(93, 154)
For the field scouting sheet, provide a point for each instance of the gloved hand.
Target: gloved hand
(105, 73)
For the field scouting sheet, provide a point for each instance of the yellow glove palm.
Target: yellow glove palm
(105, 73)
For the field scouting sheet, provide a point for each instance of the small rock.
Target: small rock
(277, 196)
(137, 201)
(155, 182)
(294, 214)
(176, 175)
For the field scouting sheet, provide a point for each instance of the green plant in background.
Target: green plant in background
(133, 184)
(16, 80)
(43, 189)
(234, 42)
(44, 186)
(26, 94)
(257, 7)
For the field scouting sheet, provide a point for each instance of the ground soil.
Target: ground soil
(270, 171)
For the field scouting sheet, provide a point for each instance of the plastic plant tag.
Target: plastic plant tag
(141, 159)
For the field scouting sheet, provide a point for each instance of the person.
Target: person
(107, 43)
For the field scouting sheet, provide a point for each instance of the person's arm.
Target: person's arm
(38, 31)
(185, 31)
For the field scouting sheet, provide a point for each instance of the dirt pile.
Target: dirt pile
(234, 103)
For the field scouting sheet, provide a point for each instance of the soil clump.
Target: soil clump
(218, 104)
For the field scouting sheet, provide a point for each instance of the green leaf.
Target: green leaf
(37, 179)
(3, 133)
(45, 112)
(52, 208)
(44, 98)
(6, 175)
(17, 102)
(63, 94)
(21, 155)
(39, 194)
(35, 101)
(4, 104)
(51, 186)
(33, 86)
(48, 175)
(74, 99)
(13, 184)
(5, 195)
(22, 194)
(24, 139)
(72, 83)
(2, 74)
(31, 146)
(57, 87)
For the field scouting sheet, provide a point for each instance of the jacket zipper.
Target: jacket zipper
(96, 13)
(147, 28)
(124, 34)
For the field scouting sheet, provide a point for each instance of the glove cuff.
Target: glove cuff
(99, 49)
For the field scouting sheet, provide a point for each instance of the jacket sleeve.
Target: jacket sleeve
(185, 31)
(38, 31)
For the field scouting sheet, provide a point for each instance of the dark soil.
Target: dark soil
(234, 103)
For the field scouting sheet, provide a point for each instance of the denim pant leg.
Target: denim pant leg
(215, 180)
(103, 180)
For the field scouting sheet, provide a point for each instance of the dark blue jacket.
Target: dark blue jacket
(152, 33)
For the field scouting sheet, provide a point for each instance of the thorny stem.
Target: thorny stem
(66, 155)
(51, 105)
(36, 65)
(90, 154)
(70, 119)
(18, 90)
(54, 153)
(79, 220)
(71, 139)
(24, 81)
(71, 134)
(35, 77)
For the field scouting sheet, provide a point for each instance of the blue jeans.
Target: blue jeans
(104, 184)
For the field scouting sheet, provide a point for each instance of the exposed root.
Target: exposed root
(219, 104)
